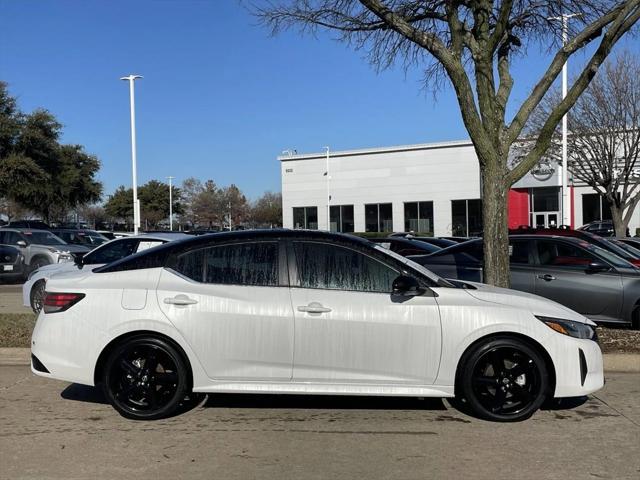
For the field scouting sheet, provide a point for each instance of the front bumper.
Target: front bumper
(579, 371)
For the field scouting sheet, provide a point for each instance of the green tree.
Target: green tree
(472, 46)
(119, 205)
(154, 202)
(37, 171)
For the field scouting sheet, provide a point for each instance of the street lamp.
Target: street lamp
(170, 205)
(136, 203)
(566, 220)
(328, 193)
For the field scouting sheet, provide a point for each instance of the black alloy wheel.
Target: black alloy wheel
(39, 262)
(504, 379)
(145, 378)
(36, 297)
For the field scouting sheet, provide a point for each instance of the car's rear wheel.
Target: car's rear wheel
(36, 297)
(503, 379)
(145, 378)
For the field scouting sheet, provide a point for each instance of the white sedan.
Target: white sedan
(279, 311)
(34, 288)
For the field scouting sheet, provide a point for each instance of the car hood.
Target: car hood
(533, 303)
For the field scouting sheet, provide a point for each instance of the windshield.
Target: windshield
(619, 251)
(43, 238)
(416, 266)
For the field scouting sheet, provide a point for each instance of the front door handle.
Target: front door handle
(313, 307)
(180, 300)
(546, 277)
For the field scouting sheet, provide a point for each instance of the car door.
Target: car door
(562, 274)
(231, 303)
(348, 326)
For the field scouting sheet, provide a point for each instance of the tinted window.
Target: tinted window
(463, 253)
(338, 268)
(519, 252)
(560, 254)
(10, 238)
(110, 252)
(240, 264)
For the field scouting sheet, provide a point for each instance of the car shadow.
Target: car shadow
(568, 403)
(86, 394)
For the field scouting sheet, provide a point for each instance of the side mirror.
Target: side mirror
(21, 243)
(406, 286)
(597, 267)
(78, 260)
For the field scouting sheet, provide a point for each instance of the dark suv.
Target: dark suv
(604, 228)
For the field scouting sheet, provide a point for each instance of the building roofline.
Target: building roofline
(373, 151)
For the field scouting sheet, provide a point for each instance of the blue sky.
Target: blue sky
(220, 98)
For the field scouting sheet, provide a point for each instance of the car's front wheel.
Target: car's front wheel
(503, 379)
(145, 378)
(36, 296)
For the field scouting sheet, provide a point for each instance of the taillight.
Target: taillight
(59, 302)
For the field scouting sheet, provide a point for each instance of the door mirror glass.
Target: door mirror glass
(21, 243)
(406, 286)
(595, 267)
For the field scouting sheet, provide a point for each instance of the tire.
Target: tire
(36, 296)
(502, 379)
(635, 318)
(39, 262)
(145, 378)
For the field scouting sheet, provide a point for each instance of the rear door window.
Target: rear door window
(111, 252)
(249, 264)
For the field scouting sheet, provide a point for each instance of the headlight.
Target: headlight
(569, 327)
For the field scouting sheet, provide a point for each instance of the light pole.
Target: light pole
(170, 205)
(132, 99)
(566, 200)
(328, 193)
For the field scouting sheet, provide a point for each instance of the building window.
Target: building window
(305, 217)
(594, 209)
(378, 217)
(341, 218)
(466, 218)
(418, 217)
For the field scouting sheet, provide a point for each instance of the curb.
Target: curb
(613, 362)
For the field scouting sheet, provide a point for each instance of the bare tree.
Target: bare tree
(605, 127)
(472, 44)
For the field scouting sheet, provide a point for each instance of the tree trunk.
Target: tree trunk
(496, 231)
(619, 225)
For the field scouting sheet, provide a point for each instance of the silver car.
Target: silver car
(575, 273)
(40, 247)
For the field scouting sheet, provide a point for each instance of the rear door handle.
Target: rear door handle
(180, 300)
(546, 277)
(313, 307)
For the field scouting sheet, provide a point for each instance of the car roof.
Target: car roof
(193, 243)
(25, 229)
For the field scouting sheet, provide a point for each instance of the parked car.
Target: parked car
(405, 246)
(632, 241)
(604, 228)
(437, 241)
(37, 224)
(575, 273)
(108, 234)
(75, 236)
(291, 311)
(40, 247)
(12, 265)
(34, 288)
(601, 242)
(458, 239)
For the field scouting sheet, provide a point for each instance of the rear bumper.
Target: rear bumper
(12, 270)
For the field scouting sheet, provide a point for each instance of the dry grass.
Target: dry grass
(619, 340)
(15, 329)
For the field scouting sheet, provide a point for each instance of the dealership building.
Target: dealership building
(432, 188)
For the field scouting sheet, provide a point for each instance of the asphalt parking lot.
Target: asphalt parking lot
(53, 430)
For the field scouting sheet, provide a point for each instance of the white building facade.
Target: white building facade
(428, 188)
